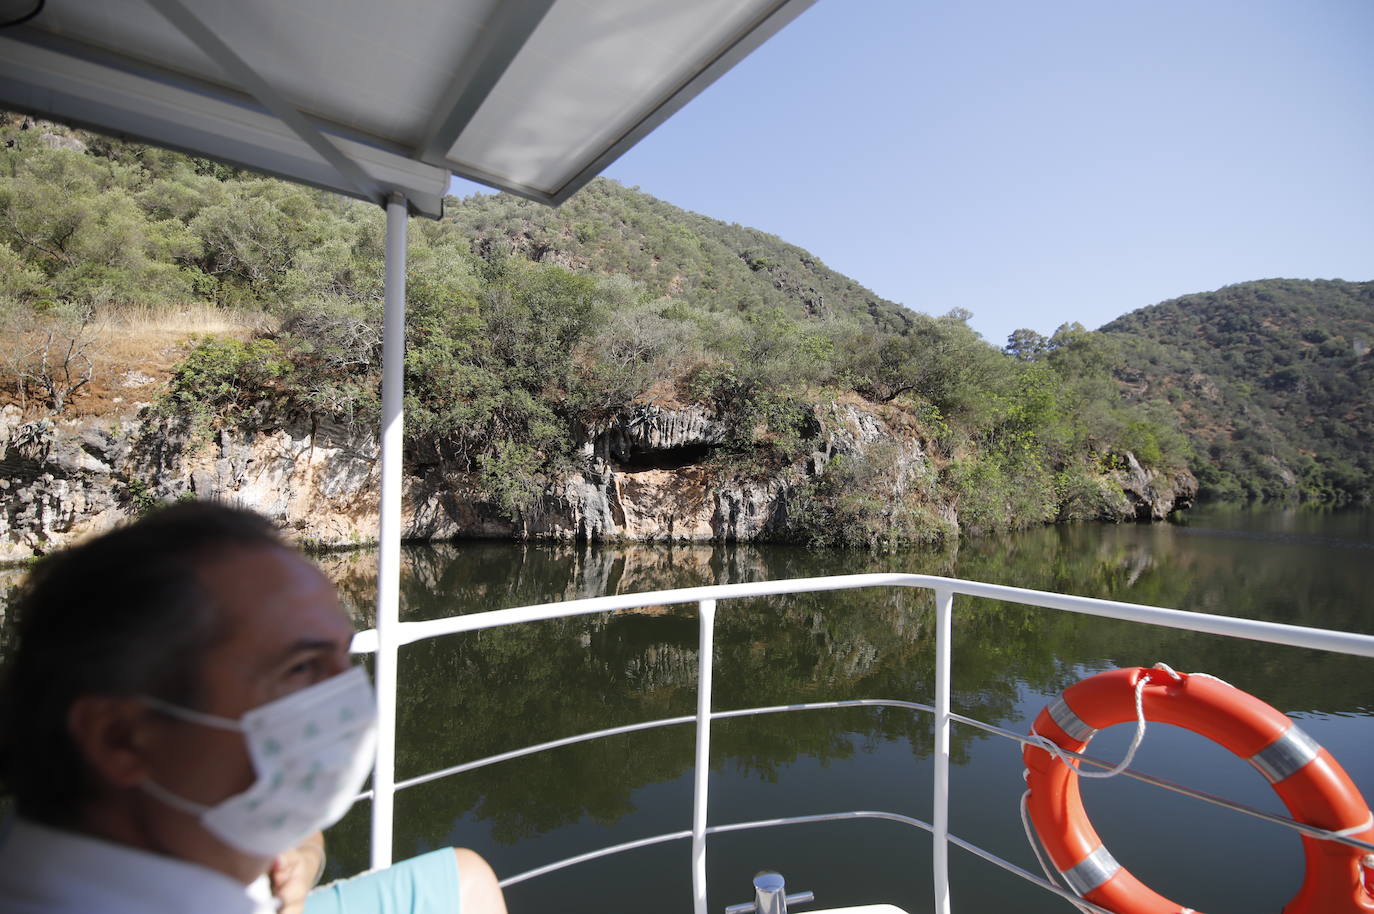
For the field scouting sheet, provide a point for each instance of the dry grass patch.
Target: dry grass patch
(132, 351)
(131, 333)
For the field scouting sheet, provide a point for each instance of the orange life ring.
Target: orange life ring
(1311, 783)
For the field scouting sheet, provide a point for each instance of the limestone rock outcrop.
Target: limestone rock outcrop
(645, 475)
(56, 482)
(1148, 494)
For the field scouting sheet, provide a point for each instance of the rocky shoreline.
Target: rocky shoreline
(645, 475)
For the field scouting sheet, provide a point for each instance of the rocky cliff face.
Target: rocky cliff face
(58, 482)
(644, 477)
(1149, 494)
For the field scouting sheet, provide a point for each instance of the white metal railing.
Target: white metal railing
(391, 634)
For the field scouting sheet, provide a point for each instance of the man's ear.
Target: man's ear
(111, 733)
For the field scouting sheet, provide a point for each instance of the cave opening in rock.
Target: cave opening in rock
(672, 458)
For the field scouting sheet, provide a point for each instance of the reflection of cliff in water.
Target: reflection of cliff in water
(469, 696)
(1222, 570)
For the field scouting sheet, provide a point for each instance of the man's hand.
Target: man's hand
(295, 873)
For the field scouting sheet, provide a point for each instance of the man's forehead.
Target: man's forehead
(273, 594)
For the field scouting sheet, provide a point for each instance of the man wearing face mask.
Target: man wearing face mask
(180, 719)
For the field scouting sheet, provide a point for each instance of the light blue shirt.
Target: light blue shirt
(50, 871)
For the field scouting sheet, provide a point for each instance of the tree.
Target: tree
(1026, 344)
(73, 218)
(940, 360)
(52, 352)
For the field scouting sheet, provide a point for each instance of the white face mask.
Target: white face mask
(311, 751)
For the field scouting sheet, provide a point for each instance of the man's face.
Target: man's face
(281, 630)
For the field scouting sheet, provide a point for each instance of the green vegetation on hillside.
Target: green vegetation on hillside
(528, 327)
(1273, 380)
(669, 252)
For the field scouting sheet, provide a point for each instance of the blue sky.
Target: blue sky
(1042, 163)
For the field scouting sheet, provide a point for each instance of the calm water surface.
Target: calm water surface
(467, 696)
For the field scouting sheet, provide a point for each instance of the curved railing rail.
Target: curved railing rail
(804, 820)
(390, 635)
(1025, 739)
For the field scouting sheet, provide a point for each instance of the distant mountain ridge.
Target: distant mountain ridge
(1272, 379)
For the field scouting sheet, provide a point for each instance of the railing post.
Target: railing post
(389, 531)
(944, 610)
(706, 610)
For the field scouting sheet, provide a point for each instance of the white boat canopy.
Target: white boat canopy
(366, 98)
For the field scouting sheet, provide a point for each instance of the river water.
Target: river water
(468, 696)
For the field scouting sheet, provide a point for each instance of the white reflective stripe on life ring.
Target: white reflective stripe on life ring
(1090, 872)
(1286, 755)
(1070, 722)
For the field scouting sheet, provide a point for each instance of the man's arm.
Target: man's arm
(478, 887)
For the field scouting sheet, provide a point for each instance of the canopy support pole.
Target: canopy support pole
(389, 532)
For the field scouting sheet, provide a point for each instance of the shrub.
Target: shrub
(49, 348)
(870, 501)
(229, 380)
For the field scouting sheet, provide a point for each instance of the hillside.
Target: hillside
(611, 229)
(1273, 380)
(537, 343)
